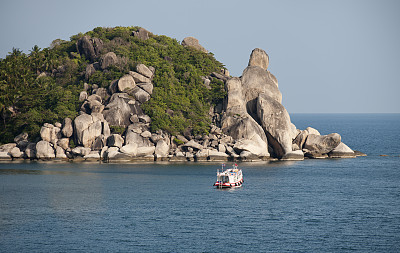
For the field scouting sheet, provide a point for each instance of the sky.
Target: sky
(339, 56)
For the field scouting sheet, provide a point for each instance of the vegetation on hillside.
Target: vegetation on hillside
(44, 85)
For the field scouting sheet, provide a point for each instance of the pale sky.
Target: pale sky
(339, 56)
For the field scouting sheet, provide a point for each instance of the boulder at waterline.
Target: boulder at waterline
(201, 155)
(30, 151)
(115, 140)
(145, 151)
(5, 156)
(111, 152)
(87, 128)
(80, 151)
(44, 150)
(314, 154)
(130, 149)
(255, 146)
(342, 151)
(242, 127)
(7, 147)
(215, 155)
(301, 139)
(99, 142)
(60, 153)
(359, 153)
(275, 121)
(162, 150)
(16, 153)
(92, 156)
(322, 144)
(296, 155)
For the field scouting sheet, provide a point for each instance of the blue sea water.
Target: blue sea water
(333, 205)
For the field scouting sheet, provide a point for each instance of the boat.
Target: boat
(229, 178)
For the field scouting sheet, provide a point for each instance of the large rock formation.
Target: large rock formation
(88, 127)
(22, 141)
(259, 58)
(342, 151)
(139, 78)
(134, 135)
(141, 34)
(253, 112)
(50, 133)
(237, 122)
(108, 59)
(144, 70)
(126, 82)
(254, 101)
(193, 42)
(275, 121)
(162, 149)
(44, 150)
(67, 129)
(120, 108)
(89, 47)
(322, 144)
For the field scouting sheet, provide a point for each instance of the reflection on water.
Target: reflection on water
(230, 189)
(19, 171)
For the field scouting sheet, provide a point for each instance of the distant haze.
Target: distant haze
(328, 56)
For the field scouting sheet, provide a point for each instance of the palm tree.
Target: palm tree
(15, 52)
(35, 50)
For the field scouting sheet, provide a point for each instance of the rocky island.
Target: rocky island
(136, 106)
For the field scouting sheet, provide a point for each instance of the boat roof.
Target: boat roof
(229, 171)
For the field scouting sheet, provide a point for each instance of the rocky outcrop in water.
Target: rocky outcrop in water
(251, 124)
(253, 111)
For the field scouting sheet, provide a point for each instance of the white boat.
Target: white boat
(229, 178)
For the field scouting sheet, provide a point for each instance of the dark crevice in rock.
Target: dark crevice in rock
(276, 146)
(251, 108)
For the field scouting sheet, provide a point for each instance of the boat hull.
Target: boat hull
(228, 185)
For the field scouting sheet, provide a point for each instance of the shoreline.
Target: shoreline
(145, 160)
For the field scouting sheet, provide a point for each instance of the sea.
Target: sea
(328, 205)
